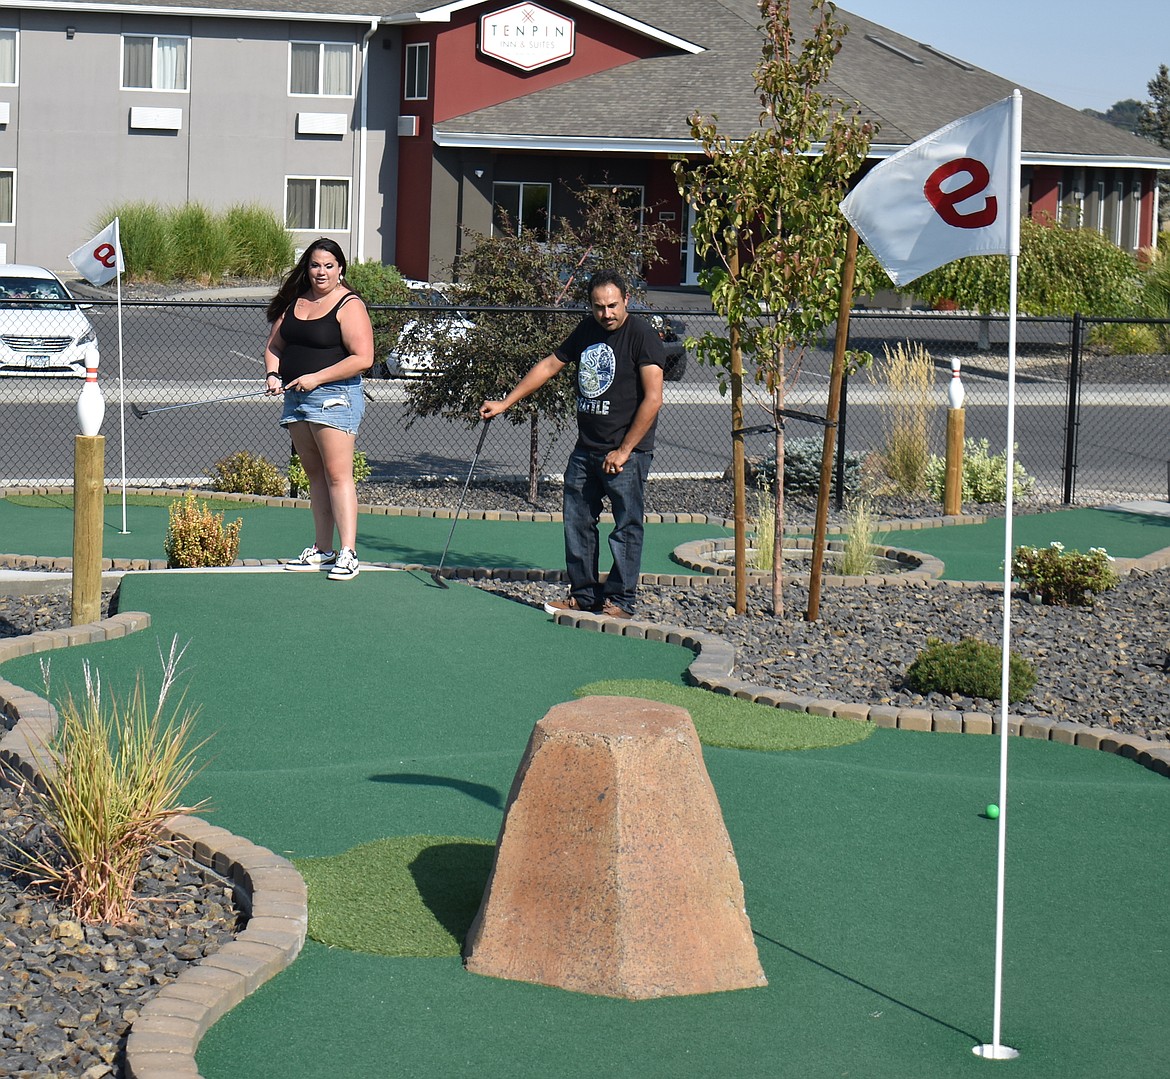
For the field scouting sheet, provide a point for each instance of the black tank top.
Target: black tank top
(311, 344)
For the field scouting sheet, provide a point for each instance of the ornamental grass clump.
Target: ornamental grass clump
(764, 539)
(247, 475)
(197, 537)
(1063, 578)
(858, 556)
(113, 775)
(970, 668)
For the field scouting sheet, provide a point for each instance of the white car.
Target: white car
(413, 355)
(42, 329)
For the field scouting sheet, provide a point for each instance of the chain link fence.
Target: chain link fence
(1090, 424)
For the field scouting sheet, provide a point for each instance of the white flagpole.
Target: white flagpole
(996, 1050)
(121, 378)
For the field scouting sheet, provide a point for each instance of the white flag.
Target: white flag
(100, 260)
(942, 198)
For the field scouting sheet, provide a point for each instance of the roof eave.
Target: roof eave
(688, 146)
(194, 12)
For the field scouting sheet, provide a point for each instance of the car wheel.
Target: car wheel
(675, 368)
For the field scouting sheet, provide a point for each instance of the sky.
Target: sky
(1087, 56)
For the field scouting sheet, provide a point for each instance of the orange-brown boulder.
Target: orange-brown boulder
(614, 872)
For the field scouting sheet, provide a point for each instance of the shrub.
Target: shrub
(969, 668)
(247, 475)
(262, 246)
(148, 247)
(381, 285)
(1061, 271)
(1126, 338)
(204, 247)
(802, 467)
(298, 480)
(984, 474)
(197, 537)
(909, 373)
(113, 775)
(1063, 578)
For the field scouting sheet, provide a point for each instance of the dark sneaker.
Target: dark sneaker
(614, 611)
(311, 558)
(570, 605)
(346, 567)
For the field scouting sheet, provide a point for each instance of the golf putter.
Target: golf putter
(437, 575)
(143, 412)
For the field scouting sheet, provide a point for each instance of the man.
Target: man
(619, 361)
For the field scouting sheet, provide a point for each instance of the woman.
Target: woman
(321, 342)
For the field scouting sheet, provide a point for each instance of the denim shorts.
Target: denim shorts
(333, 404)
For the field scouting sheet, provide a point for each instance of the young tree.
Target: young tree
(542, 283)
(1154, 123)
(766, 213)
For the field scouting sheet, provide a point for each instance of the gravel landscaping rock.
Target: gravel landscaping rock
(68, 991)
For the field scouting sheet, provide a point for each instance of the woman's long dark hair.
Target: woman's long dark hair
(297, 280)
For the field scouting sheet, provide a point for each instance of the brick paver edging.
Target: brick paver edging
(265, 886)
(715, 661)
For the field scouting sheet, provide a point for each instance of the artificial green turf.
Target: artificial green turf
(869, 877)
(281, 532)
(975, 552)
(732, 723)
(404, 896)
(65, 501)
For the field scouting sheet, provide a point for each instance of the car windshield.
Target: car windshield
(15, 289)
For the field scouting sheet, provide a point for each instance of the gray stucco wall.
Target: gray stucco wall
(70, 139)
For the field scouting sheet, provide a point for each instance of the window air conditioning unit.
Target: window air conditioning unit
(407, 126)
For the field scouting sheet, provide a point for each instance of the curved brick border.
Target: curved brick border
(715, 661)
(164, 1037)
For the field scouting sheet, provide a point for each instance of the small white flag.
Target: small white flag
(100, 260)
(942, 198)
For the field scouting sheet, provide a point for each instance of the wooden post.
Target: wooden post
(956, 425)
(837, 376)
(89, 488)
(953, 482)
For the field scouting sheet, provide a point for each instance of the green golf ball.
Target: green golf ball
(992, 812)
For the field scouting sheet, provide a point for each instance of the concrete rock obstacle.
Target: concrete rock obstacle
(614, 873)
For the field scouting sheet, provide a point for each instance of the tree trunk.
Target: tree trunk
(778, 533)
(738, 473)
(533, 458)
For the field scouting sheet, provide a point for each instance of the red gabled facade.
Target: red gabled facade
(463, 80)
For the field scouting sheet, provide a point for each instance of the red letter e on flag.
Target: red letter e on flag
(946, 202)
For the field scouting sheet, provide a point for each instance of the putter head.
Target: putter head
(137, 411)
(439, 580)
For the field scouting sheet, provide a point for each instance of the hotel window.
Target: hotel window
(154, 63)
(8, 68)
(418, 72)
(7, 197)
(524, 207)
(316, 203)
(320, 68)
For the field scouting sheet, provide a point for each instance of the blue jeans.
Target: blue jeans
(585, 486)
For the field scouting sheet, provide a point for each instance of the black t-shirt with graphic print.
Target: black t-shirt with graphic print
(609, 384)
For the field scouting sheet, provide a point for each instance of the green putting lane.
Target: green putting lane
(975, 552)
(342, 713)
(273, 532)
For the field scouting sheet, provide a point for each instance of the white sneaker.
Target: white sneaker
(311, 558)
(345, 568)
